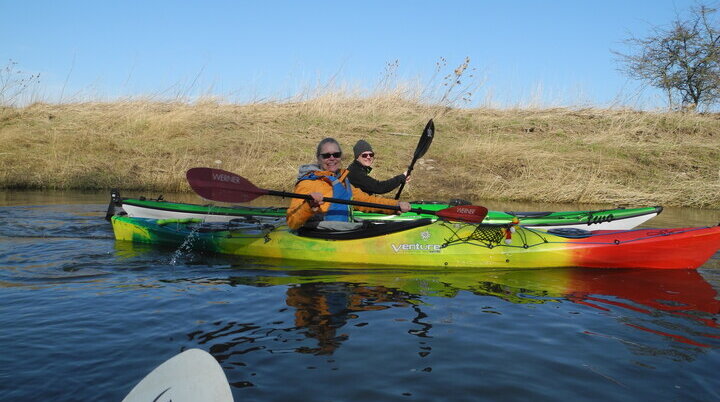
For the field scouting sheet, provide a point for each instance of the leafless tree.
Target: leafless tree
(682, 60)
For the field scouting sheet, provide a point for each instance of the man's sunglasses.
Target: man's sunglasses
(368, 155)
(327, 155)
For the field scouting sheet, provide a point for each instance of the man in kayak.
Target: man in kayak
(328, 179)
(360, 172)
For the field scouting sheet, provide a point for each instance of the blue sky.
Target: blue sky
(542, 53)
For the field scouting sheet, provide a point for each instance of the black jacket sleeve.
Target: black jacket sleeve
(361, 180)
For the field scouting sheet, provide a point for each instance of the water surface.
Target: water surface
(84, 317)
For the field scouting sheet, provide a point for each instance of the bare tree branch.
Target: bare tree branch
(683, 60)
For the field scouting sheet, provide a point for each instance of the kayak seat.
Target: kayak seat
(367, 229)
(522, 215)
(454, 202)
(571, 233)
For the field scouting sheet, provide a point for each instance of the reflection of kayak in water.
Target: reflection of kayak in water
(193, 375)
(639, 299)
(668, 290)
(422, 244)
(680, 293)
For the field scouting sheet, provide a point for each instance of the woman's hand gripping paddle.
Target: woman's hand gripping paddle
(223, 186)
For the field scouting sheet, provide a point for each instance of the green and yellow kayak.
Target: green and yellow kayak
(605, 219)
(423, 243)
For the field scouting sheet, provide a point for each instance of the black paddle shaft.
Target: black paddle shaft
(348, 202)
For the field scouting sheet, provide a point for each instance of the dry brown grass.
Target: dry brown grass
(545, 155)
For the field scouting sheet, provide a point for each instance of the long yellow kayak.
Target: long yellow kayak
(423, 244)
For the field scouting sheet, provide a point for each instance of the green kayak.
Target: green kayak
(604, 219)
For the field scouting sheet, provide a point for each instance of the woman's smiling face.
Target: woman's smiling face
(329, 158)
(366, 158)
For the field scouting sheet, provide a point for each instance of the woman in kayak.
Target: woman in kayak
(328, 179)
(360, 169)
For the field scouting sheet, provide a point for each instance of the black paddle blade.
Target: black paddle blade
(422, 147)
(464, 213)
(220, 185)
(426, 139)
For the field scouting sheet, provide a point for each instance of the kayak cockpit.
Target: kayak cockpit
(364, 230)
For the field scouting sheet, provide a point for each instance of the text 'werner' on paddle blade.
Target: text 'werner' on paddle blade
(221, 185)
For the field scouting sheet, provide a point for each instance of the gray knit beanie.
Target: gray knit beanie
(360, 147)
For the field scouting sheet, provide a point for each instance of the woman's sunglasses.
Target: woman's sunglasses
(327, 155)
(368, 155)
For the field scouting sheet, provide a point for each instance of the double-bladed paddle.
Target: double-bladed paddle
(223, 186)
(422, 147)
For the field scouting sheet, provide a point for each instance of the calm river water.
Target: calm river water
(83, 317)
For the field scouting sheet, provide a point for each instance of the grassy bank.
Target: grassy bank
(551, 155)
